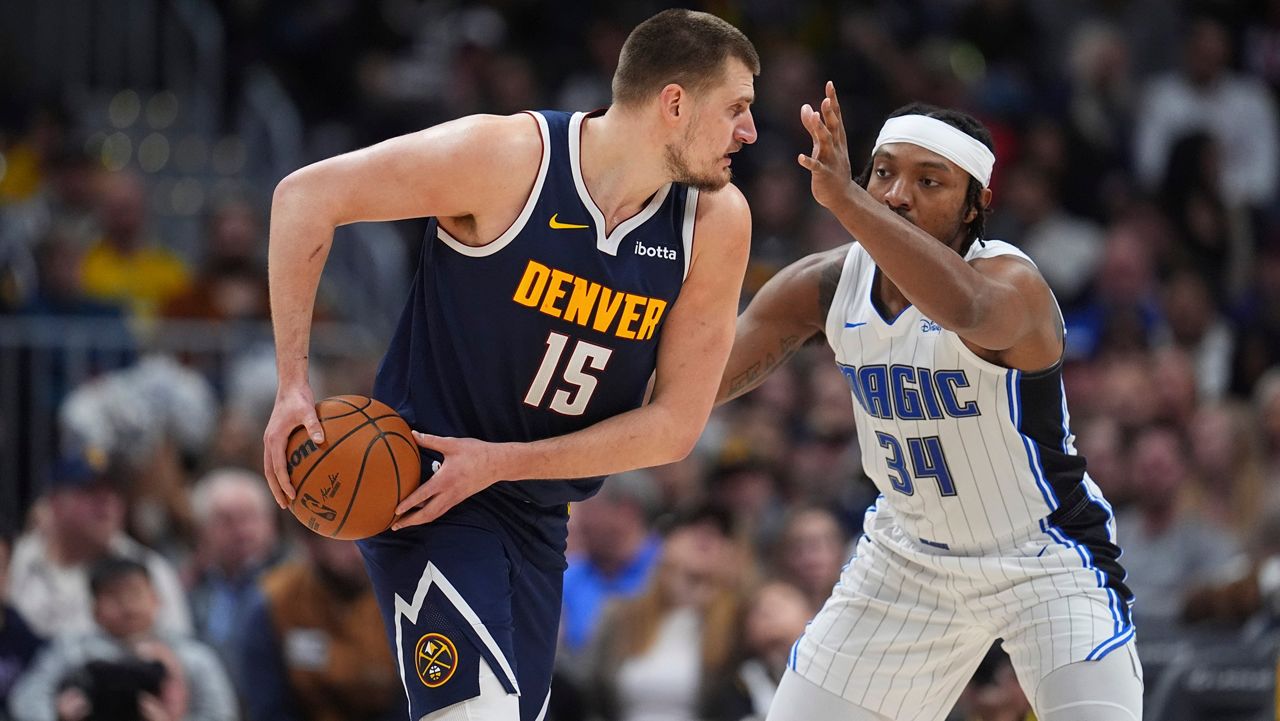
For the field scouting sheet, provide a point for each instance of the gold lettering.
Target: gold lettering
(652, 314)
(555, 291)
(581, 301)
(532, 284)
(607, 308)
(630, 315)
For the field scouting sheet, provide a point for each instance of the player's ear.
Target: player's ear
(674, 103)
(984, 201)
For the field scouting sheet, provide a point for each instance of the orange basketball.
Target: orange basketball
(348, 487)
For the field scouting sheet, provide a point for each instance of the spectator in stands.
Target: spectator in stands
(1173, 376)
(1230, 487)
(994, 693)
(615, 549)
(83, 522)
(231, 283)
(1266, 408)
(58, 297)
(59, 260)
(315, 649)
(1100, 439)
(156, 417)
(124, 265)
(1248, 590)
(748, 486)
(1194, 324)
(126, 609)
(18, 643)
(774, 617)
(1167, 549)
(657, 652)
(237, 541)
(1210, 236)
(1257, 322)
(1122, 309)
(810, 552)
(1207, 95)
(1099, 119)
(1065, 247)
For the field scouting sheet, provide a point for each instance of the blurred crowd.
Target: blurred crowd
(1138, 160)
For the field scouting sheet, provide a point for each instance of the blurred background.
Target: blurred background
(140, 140)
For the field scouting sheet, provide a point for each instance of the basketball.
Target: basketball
(348, 486)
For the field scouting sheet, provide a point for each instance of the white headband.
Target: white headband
(946, 140)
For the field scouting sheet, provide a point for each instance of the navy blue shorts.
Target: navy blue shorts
(462, 590)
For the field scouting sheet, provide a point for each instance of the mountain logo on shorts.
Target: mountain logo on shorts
(435, 658)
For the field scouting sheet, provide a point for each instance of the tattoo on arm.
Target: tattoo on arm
(827, 284)
(755, 374)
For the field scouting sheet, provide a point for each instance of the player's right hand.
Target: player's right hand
(294, 407)
(828, 163)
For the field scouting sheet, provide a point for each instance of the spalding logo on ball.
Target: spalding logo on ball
(348, 486)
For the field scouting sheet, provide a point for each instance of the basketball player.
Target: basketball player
(569, 259)
(987, 525)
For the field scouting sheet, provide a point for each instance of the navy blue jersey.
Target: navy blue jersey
(548, 329)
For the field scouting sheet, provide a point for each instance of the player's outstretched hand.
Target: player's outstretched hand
(470, 466)
(828, 164)
(294, 407)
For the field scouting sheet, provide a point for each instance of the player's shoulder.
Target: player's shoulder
(1006, 262)
(506, 133)
(723, 213)
(491, 159)
(1000, 254)
(723, 203)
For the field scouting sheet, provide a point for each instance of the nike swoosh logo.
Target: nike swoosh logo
(563, 226)
(854, 325)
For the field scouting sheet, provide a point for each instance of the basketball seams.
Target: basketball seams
(351, 407)
(381, 435)
(364, 463)
(343, 400)
(372, 421)
(395, 464)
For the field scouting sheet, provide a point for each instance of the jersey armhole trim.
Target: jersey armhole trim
(686, 233)
(530, 203)
(839, 301)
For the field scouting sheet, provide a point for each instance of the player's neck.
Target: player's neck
(891, 300)
(618, 166)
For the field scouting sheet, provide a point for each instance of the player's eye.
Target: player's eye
(929, 182)
(882, 172)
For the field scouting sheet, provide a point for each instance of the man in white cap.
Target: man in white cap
(987, 525)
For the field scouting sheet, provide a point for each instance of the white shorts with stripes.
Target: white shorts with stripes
(907, 624)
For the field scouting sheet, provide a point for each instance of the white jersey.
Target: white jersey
(987, 526)
(965, 452)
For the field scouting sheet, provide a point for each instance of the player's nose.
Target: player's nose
(745, 133)
(897, 195)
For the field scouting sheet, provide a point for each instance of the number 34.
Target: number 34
(926, 459)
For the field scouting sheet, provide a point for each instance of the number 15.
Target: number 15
(585, 355)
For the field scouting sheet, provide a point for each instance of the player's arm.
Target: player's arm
(696, 337)
(994, 303)
(444, 171)
(788, 310)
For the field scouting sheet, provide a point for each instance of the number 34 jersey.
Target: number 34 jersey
(548, 329)
(965, 452)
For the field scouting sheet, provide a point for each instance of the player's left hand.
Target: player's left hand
(828, 164)
(470, 466)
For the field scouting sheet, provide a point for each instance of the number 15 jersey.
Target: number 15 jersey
(965, 452)
(548, 329)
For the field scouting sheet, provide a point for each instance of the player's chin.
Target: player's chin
(717, 180)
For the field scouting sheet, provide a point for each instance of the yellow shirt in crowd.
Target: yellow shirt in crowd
(141, 281)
